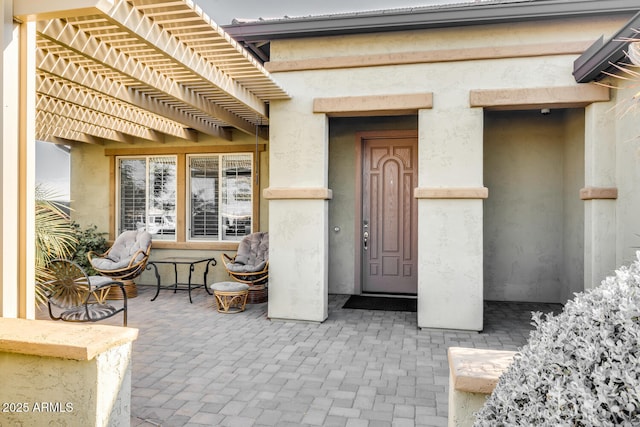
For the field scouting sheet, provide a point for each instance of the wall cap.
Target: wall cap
(475, 370)
(80, 341)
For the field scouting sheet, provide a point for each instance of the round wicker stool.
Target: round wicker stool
(231, 297)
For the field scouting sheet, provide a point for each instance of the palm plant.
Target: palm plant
(54, 237)
(627, 70)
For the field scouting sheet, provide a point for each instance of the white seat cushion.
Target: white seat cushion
(229, 287)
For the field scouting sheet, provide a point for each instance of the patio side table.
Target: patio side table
(177, 286)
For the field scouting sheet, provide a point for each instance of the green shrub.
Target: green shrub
(89, 239)
(579, 368)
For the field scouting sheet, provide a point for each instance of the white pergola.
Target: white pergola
(92, 71)
(114, 70)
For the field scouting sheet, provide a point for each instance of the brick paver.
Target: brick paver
(193, 366)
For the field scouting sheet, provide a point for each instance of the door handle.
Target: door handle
(365, 240)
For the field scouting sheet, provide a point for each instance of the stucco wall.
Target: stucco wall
(446, 38)
(90, 175)
(533, 218)
(69, 392)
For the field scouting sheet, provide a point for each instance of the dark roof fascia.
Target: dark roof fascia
(426, 17)
(601, 56)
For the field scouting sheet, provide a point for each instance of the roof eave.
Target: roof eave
(420, 18)
(601, 56)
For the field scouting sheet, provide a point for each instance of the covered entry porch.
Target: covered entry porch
(448, 69)
(526, 240)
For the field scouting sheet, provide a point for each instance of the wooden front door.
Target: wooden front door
(389, 223)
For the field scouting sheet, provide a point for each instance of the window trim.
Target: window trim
(181, 152)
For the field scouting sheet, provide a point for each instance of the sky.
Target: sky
(52, 169)
(52, 164)
(224, 11)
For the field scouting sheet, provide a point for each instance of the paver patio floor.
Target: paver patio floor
(193, 366)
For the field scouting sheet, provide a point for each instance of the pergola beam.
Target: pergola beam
(39, 10)
(60, 141)
(63, 122)
(58, 135)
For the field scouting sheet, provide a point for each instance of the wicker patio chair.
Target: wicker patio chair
(73, 296)
(250, 265)
(125, 260)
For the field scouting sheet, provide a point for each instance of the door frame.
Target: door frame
(360, 136)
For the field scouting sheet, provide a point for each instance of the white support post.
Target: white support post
(9, 119)
(27, 169)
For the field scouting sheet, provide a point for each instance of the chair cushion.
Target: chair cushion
(96, 281)
(119, 256)
(241, 259)
(246, 268)
(108, 264)
(228, 286)
(253, 250)
(128, 243)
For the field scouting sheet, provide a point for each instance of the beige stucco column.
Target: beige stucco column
(599, 194)
(17, 92)
(298, 212)
(450, 196)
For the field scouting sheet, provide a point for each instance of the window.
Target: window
(204, 191)
(147, 190)
(219, 196)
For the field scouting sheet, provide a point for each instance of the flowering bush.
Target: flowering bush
(579, 368)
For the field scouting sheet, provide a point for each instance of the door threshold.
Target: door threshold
(381, 294)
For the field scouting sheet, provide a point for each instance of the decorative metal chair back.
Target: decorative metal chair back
(70, 288)
(78, 297)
